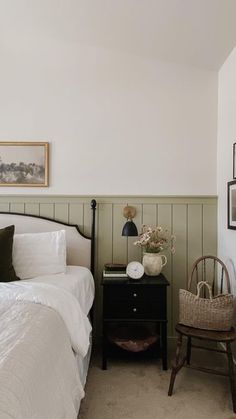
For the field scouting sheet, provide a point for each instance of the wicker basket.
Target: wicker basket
(214, 313)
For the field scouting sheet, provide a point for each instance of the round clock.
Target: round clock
(135, 270)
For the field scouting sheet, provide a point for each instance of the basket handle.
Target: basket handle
(199, 287)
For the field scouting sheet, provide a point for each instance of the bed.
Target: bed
(45, 333)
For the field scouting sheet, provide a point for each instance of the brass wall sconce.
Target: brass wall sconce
(129, 228)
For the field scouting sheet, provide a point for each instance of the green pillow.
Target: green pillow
(7, 271)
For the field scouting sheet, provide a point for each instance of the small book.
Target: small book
(111, 267)
(115, 274)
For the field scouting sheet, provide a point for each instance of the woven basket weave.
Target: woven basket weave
(214, 313)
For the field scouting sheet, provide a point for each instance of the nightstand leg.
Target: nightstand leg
(104, 347)
(164, 344)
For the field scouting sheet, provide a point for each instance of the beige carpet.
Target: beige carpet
(138, 390)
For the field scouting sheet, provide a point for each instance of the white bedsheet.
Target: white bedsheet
(78, 280)
(39, 378)
(40, 323)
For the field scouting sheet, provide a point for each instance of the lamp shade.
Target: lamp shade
(129, 229)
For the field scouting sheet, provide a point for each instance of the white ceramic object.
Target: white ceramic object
(153, 263)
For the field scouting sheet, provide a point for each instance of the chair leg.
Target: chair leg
(231, 375)
(176, 365)
(189, 350)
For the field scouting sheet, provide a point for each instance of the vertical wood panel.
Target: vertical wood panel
(165, 221)
(120, 243)
(194, 234)
(32, 208)
(209, 230)
(46, 210)
(62, 212)
(150, 214)
(180, 256)
(4, 206)
(76, 215)
(17, 207)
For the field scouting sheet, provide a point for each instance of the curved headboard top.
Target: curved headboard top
(80, 249)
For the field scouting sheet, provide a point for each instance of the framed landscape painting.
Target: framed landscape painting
(23, 163)
(232, 205)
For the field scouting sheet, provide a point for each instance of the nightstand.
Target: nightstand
(126, 301)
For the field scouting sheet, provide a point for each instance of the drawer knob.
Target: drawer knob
(134, 310)
(134, 294)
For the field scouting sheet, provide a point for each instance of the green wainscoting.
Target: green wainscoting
(192, 219)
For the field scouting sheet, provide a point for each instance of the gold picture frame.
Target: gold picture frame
(24, 163)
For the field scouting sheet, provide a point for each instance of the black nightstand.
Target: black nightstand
(127, 301)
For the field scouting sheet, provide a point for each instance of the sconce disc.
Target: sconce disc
(129, 212)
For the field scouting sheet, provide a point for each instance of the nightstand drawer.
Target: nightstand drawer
(133, 293)
(134, 310)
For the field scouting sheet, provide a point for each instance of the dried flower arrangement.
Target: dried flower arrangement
(155, 239)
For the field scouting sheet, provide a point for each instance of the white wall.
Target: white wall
(117, 123)
(226, 138)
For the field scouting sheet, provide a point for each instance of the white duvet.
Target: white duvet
(77, 280)
(40, 324)
(57, 298)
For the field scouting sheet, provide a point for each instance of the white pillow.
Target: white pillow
(37, 254)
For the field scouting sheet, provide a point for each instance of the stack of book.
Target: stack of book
(114, 270)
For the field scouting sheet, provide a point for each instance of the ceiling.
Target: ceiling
(196, 32)
(201, 33)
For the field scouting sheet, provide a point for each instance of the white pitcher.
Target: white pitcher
(153, 263)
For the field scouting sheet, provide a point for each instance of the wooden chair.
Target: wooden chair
(213, 270)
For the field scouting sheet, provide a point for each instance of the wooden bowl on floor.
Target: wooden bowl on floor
(133, 338)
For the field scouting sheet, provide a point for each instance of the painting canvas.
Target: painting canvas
(232, 205)
(23, 163)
